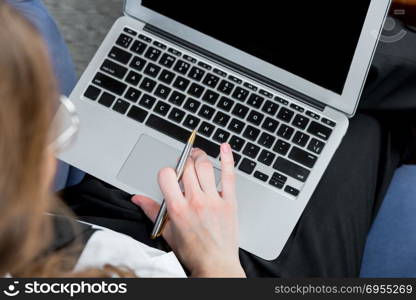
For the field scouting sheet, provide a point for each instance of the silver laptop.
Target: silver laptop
(278, 80)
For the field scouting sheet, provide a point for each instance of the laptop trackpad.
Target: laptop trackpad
(148, 156)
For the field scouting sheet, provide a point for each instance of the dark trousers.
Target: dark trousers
(329, 238)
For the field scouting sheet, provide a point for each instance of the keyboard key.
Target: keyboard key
(225, 87)
(196, 74)
(266, 94)
(276, 183)
(312, 115)
(316, 146)
(106, 99)
(206, 112)
(282, 101)
(113, 69)
(147, 101)
(255, 100)
(191, 122)
(221, 136)
(279, 177)
(196, 90)
(240, 110)
(92, 92)
(109, 84)
(255, 117)
(300, 121)
(176, 115)
(300, 139)
(240, 94)
(261, 176)
(159, 45)
(251, 150)
(297, 107)
(181, 83)
(328, 122)
(152, 70)
(120, 55)
(145, 38)
(148, 85)
(211, 97)
(291, 169)
(161, 108)
(204, 65)
(124, 40)
(303, 157)
(221, 119)
(235, 79)
(206, 129)
(219, 72)
(192, 105)
(121, 106)
(237, 143)
(132, 95)
(181, 66)
(291, 190)
(190, 59)
(236, 126)
(237, 158)
(133, 78)
(138, 63)
(285, 114)
(138, 47)
(281, 147)
(167, 60)
(177, 98)
(251, 133)
(270, 125)
(247, 166)
(270, 108)
(266, 157)
(130, 31)
(211, 80)
(319, 130)
(285, 131)
(250, 86)
(174, 52)
(174, 131)
(153, 53)
(266, 140)
(166, 76)
(225, 103)
(162, 91)
(137, 114)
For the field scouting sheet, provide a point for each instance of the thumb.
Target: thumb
(148, 205)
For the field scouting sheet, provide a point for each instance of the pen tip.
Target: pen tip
(192, 137)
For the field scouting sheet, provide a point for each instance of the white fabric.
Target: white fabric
(109, 247)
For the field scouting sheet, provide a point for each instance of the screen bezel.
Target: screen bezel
(346, 102)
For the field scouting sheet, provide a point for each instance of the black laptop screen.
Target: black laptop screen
(315, 40)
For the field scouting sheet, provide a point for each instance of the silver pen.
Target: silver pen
(162, 216)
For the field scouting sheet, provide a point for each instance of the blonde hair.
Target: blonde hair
(28, 95)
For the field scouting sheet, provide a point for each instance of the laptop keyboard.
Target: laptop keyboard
(174, 93)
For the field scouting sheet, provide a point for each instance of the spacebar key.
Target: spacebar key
(174, 131)
(291, 169)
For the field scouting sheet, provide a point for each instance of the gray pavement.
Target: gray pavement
(84, 24)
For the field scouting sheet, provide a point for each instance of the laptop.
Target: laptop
(278, 80)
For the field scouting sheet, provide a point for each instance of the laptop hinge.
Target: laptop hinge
(235, 67)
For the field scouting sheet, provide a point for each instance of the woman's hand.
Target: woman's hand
(202, 228)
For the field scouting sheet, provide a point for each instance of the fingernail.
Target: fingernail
(225, 148)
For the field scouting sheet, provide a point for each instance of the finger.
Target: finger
(148, 205)
(190, 180)
(227, 173)
(169, 185)
(204, 171)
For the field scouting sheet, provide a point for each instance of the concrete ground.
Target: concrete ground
(84, 24)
